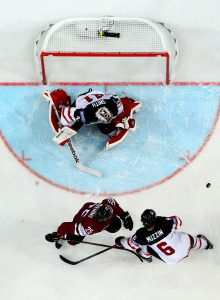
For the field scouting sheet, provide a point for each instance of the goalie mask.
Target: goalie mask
(104, 115)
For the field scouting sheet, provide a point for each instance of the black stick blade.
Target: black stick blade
(68, 261)
(86, 258)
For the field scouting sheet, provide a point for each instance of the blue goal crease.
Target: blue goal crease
(172, 126)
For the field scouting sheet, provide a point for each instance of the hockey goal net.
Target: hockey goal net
(107, 37)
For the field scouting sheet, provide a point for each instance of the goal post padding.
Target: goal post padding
(83, 37)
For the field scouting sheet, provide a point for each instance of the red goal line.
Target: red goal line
(177, 83)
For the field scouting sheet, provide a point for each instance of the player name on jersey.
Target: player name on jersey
(97, 103)
(154, 236)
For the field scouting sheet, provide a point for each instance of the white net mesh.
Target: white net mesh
(83, 35)
(132, 37)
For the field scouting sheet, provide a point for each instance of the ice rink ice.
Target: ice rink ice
(174, 125)
(168, 172)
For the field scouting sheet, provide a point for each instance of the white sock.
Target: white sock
(199, 243)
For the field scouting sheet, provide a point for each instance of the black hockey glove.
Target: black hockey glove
(118, 241)
(52, 237)
(127, 220)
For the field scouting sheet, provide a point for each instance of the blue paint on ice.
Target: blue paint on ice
(173, 123)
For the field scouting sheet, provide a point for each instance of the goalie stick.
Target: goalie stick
(79, 165)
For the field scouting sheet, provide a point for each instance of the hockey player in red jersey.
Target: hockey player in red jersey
(91, 219)
(112, 115)
(160, 239)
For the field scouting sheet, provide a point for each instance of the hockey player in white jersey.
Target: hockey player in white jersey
(112, 115)
(159, 238)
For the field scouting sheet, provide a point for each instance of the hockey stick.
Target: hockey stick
(100, 245)
(84, 259)
(79, 165)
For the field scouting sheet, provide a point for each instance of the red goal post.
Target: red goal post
(106, 37)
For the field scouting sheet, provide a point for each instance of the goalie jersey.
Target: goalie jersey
(92, 108)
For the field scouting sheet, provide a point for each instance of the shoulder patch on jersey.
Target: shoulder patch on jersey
(140, 236)
(89, 230)
(111, 201)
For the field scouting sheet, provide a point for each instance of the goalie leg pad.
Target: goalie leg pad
(59, 99)
(54, 122)
(58, 96)
(130, 106)
(117, 139)
(63, 135)
(121, 135)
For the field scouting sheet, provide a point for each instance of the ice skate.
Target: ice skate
(210, 245)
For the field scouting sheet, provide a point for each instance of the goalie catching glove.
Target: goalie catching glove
(123, 124)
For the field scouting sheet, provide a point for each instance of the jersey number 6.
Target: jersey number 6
(167, 250)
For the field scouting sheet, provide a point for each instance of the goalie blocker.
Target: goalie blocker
(113, 116)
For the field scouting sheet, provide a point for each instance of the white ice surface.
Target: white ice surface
(30, 267)
(196, 25)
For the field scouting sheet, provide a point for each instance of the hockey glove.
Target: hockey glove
(127, 220)
(118, 241)
(52, 237)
